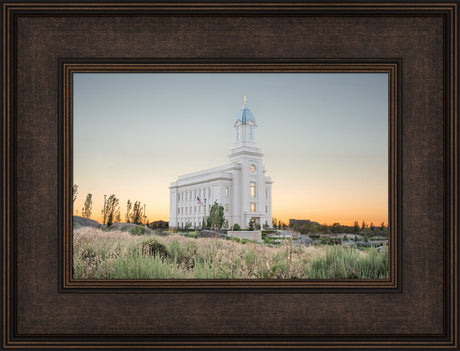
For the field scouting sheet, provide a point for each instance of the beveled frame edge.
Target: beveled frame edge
(449, 340)
(68, 68)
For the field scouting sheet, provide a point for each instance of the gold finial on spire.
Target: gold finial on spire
(245, 100)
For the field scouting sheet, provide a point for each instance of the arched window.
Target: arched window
(250, 132)
(238, 132)
(252, 189)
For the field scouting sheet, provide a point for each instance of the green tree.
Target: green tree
(216, 216)
(74, 192)
(372, 226)
(112, 209)
(324, 228)
(356, 227)
(129, 206)
(236, 227)
(104, 210)
(382, 226)
(363, 225)
(336, 228)
(88, 207)
(137, 214)
(251, 225)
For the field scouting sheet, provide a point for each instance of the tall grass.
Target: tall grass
(348, 263)
(120, 255)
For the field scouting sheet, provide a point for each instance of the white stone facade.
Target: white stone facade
(240, 186)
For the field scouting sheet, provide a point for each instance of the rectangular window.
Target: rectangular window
(252, 207)
(266, 194)
(226, 207)
(178, 211)
(252, 189)
(226, 191)
(266, 209)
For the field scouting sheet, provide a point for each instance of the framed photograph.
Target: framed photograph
(230, 176)
(195, 232)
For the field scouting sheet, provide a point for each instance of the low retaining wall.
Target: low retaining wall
(245, 234)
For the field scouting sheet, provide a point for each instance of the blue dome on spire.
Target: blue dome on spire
(245, 116)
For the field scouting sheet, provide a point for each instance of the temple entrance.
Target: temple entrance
(255, 220)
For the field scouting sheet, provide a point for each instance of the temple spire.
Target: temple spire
(245, 100)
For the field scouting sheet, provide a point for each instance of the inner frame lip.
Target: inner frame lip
(67, 67)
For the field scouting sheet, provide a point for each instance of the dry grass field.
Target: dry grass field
(118, 254)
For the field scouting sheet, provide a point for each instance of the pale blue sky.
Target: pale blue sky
(324, 137)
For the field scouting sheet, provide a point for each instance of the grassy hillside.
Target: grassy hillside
(120, 255)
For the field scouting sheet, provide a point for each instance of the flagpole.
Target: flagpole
(204, 210)
(201, 203)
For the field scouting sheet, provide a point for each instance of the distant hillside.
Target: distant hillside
(86, 222)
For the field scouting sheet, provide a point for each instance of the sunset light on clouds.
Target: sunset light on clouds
(324, 137)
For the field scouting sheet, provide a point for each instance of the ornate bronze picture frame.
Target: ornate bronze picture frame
(45, 43)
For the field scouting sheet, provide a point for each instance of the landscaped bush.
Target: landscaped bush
(379, 238)
(267, 239)
(139, 230)
(152, 247)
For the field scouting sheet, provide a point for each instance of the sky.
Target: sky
(324, 137)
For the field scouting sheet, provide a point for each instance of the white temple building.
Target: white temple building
(240, 186)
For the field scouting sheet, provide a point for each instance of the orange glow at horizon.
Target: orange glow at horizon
(322, 216)
(289, 202)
